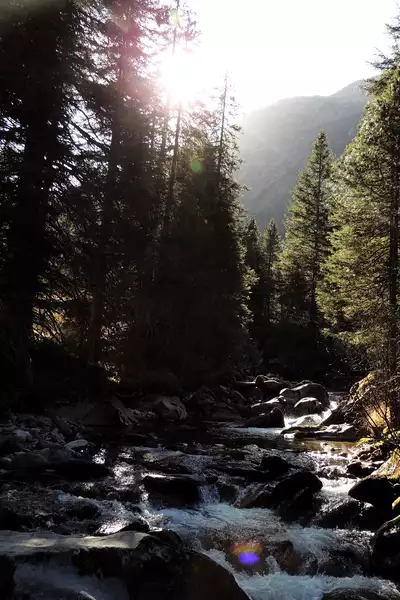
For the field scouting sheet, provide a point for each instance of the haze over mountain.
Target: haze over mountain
(277, 141)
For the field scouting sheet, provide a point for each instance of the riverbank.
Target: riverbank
(214, 489)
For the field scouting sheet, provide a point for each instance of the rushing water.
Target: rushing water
(294, 562)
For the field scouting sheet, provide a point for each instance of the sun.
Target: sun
(185, 76)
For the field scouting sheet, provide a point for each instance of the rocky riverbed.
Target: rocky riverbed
(192, 508)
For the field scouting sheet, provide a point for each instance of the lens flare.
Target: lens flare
(247, 553)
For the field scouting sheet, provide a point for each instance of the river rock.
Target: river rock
(308, 423)
(333, 433)
(78, 444)
(291, 485)
(341, 514)
(177, 490)
(314, 390)
(270, 387)
(141, 565)
(308, 406)
(376, 491)
(273, 419)
(275, 465)
(359, 469)
(170, 408)
(386, 554)
(9, 444)
(258, 496)
(23, 436)
(291, 395)
(297, 505)
(28, 461)
(265, 407)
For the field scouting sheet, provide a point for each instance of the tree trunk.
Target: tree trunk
(393, 308)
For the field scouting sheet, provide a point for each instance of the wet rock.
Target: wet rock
(9, 444)
(308, 406)
(297, 505)
(63, 426)
(131, 558)
(275, 465)
(273, 419)
(137, 524)
(170, 408)
(227, 492)
(7, 585)
(178, 490)
(333, 433)
(23, 436)
(291, 485)
(353, 594)
(386, 554)
(265, 407)
(313, 390)
(306, 424)
(376, 491)
(291, 395)
(256, 497)
(341, 514)
(78, 444)
(270, 387)
(28, 461)
(79, 470)
(245, 472)
(359, 469)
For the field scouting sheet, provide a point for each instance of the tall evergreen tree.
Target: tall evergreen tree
(307, 227)
(361, 289)
(271, 243)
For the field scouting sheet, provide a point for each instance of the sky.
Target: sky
(287, 48)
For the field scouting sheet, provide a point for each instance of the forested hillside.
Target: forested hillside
(277, 140)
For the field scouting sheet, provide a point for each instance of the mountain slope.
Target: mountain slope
(277, 141)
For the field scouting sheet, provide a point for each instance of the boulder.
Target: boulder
(307, 406)
(258, 496)
(292, 396)
(263, 408)
(270, 387)
(341, 514)
(275, 465)
(63, 426)
(360, 469)
(273, 419)
(313, 390)
(137, 565)
(297, 505)
(170, 408)
(308, 423)
(291, 485)
(28, 461)
(9, 444)
(23, 436)
(386, 553)
(377, 491)
(177, 490)
(333, 433)
(78, 444)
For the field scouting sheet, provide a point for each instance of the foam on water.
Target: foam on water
(278, 585)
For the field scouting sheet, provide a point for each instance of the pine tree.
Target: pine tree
(272, 243)
(360, 294)
(307, 227)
